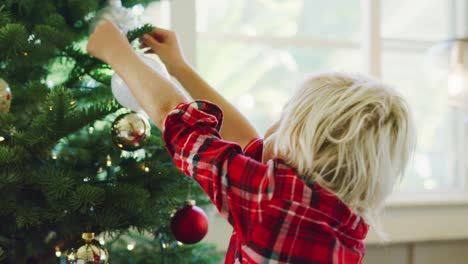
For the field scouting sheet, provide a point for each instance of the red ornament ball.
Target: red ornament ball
(189, 224)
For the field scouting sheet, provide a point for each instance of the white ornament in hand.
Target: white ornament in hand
(116, 13)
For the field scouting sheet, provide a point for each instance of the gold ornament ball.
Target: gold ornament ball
(130, 131)
(90, 253)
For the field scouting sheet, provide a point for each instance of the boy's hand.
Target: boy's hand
(166, 45)
(107, 42)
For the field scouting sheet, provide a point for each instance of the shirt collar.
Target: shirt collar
(340, 216)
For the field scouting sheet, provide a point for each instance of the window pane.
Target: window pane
(157, 13)
(259, 79)
(432, 168)
(421, 23)
(332, 19)
(416, 19)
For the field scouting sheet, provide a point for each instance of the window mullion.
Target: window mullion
(461, 31)
(459, 16)
(183, 21)
(371, 39)
(280, 41)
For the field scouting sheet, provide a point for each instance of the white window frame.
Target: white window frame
(409, 217)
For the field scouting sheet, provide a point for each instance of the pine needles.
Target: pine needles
(60, 172)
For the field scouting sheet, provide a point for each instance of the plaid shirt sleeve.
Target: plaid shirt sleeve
(237, 185)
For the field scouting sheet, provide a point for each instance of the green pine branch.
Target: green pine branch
(86, 196)
(57, 185)
(5, 16)
(54, 174)
(12, 155)
(52, 35)
(61, 118)
(139, 32)
(13, 40)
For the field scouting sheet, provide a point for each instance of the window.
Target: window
(257, 52)
(407, 36)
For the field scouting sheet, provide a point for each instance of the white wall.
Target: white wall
(441, 252)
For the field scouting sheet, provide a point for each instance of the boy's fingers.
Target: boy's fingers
(160, 31)
(160, 34)
(149, 41)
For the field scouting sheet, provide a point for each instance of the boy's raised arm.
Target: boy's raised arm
(236, 127)
(157, 95)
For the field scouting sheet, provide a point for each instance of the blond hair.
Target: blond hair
(349, 133)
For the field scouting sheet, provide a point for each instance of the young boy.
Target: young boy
(304, 193)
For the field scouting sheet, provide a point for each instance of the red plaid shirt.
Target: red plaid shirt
(276, 217)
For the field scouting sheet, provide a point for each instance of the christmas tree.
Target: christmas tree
(64, 170)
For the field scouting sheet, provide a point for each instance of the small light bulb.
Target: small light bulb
(54, 156)
(2, 138)
(102, 241)
(58, 253)
(131, 246)
(147, 169)
(109, 161)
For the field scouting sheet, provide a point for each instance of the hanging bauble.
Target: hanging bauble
(116, 13)
(130, 131)
(189, 224)
(124, 95)
(5, 96)
(92, 252)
